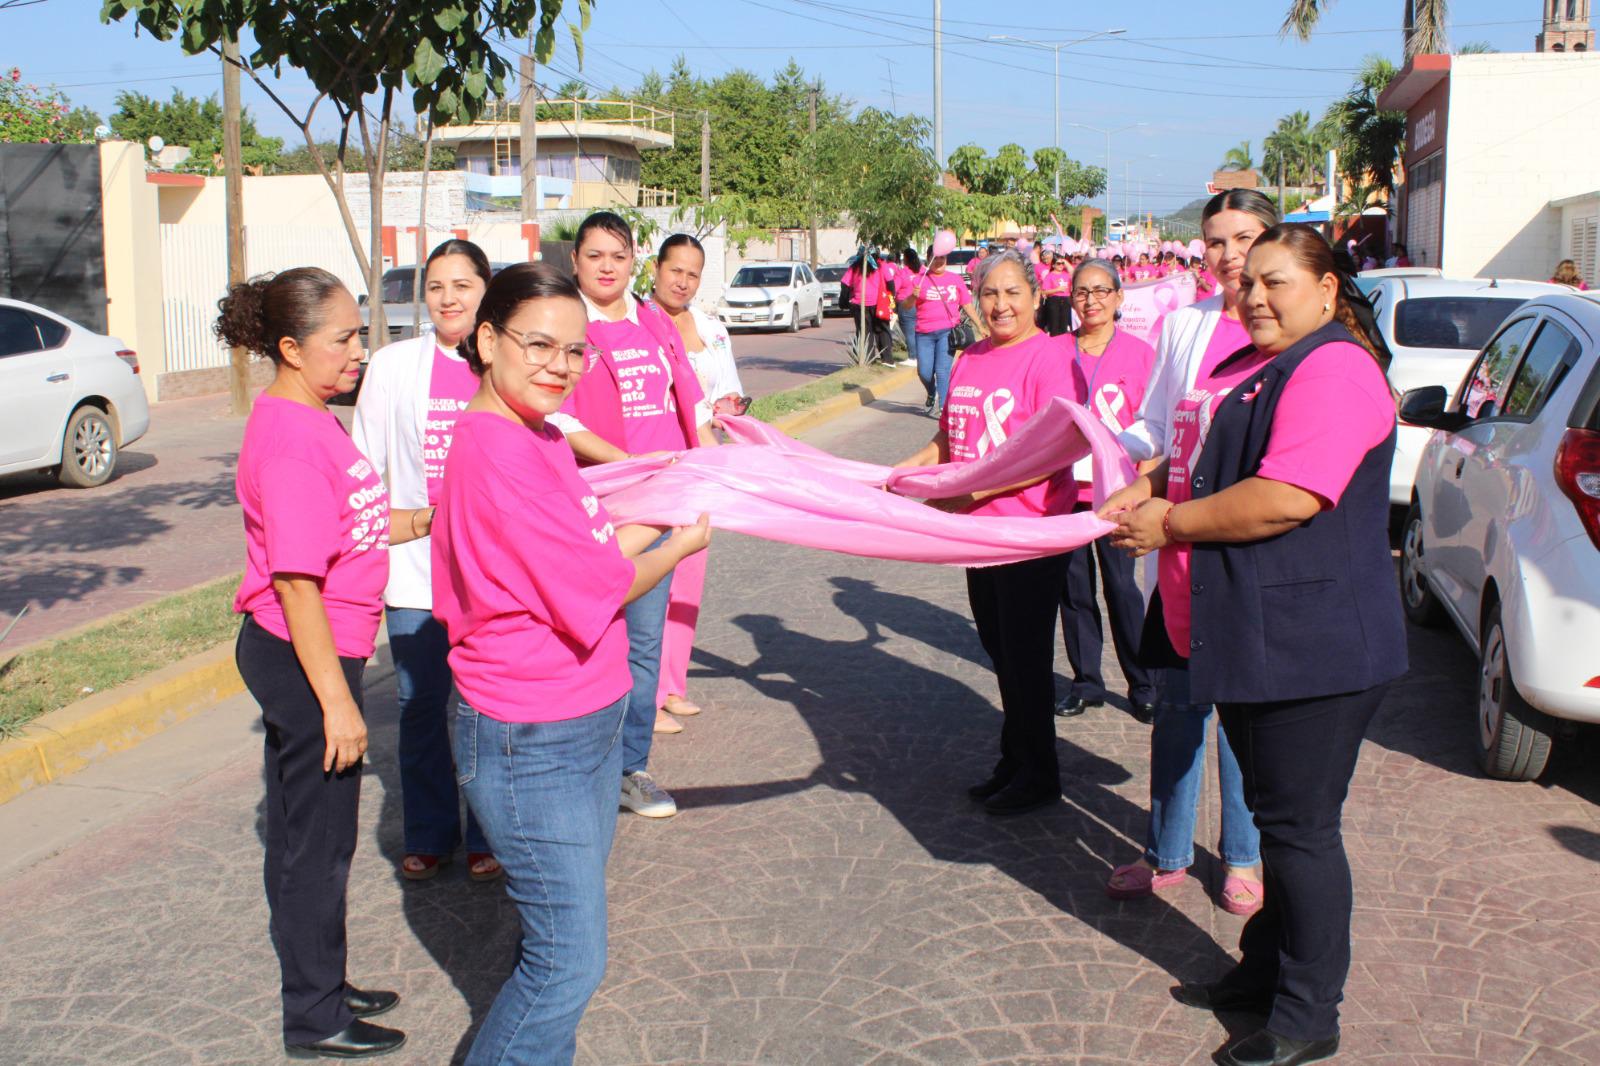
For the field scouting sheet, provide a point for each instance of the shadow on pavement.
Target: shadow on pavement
(1578, 840)
(911, 737)
(34, 482)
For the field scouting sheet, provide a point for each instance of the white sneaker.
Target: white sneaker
(641, 795)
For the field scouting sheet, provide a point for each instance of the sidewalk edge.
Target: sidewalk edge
(65, 741)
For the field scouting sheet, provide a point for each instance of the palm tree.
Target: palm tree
(1238, 158)
(1423, 23)
(1370, 139)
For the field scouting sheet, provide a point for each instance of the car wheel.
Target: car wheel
(794, 319)
(89, 449)
(1421, 605)
(1513, 738)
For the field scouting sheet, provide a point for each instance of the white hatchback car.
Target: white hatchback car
(70, 398)
(1434, 326)
(1503, 531)
(777, 295)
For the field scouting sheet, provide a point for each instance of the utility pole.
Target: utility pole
(938, 89)
(705, 158)
(233, 183)
(811, 196)
(528, 137)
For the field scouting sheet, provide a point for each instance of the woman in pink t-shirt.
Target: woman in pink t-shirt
(1297, 628)
(317, 534)
(412, 394)
(640, 398)
(942, 297)
(530, 579)
(995, 388)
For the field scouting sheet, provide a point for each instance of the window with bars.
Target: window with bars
(1585, 238)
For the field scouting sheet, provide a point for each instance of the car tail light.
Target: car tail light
(1578, 474)
(131, 357)
(1593, 682)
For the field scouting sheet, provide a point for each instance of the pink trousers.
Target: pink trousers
(677, 640)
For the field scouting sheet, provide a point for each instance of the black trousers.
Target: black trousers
(1297, 757)
(1080, 621)
(1057, 315)
(880, 338)
(1014, 607)
(310, 834)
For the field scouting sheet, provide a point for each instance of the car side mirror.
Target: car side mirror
(1426, 407)
(361, 301)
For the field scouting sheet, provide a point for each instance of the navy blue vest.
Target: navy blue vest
(1314, 611)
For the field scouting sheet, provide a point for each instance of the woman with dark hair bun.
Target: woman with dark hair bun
(1274, 498)
(317, 536)
(413, 392)
(530, 579)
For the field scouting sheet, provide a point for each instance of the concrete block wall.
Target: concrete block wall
(1521, 135)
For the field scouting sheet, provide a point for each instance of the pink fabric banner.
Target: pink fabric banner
(771, 486)
(1146, 303)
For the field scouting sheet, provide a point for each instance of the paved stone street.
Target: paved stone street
(169, 519)
(827, 895)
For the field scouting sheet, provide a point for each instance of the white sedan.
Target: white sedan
(70, 398)
(1503, 532)
(773, 295)
(1434, 326)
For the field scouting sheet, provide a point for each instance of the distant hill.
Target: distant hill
(1185, 221)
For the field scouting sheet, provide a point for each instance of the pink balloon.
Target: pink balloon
(1196, 249)
(944, 242)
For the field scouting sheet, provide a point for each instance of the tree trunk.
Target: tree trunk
(377, 320)
(422, 233)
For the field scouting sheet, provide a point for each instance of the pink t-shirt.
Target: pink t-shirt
(312, 505)
(940, 298)
(644, 381)
(1111, 385)
(993, 392)
(1039, 271)
(450, 388)
(866, 292)
(1057, 283)
(528, 579)
(1333, 410)
(1142, 272)
(905, 282)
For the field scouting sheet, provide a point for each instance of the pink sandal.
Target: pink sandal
(1136, 881)
(1242, 896)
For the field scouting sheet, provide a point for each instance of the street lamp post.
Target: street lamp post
(1056, 47)
(1108, 133)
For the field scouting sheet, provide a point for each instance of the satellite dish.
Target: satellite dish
(156, 144)
(102, 132)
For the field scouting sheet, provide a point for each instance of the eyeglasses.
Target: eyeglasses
(1100, 294)
(539, 351)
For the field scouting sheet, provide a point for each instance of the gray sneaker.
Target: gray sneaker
(641, 795)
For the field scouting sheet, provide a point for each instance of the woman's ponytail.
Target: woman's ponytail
(257, 314)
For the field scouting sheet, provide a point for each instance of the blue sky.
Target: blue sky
(1199, 81)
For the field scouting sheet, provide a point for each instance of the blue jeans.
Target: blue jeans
(1177, 773)
(428, 795)
(933, 364)
(908, 330)
(547, 795)
(647, 619)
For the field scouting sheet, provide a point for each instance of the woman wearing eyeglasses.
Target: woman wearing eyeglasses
(641, 398)
(530, 579)
(1110, 369)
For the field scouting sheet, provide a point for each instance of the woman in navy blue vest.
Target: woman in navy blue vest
(1295, 627)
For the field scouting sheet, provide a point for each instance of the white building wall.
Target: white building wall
(1580, 236)
(1521, 134)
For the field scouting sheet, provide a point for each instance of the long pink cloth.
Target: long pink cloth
(771, 486)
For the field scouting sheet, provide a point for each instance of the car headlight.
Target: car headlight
(782, 301)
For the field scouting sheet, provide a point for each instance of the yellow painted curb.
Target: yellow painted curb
(842, 404)
(65, 741)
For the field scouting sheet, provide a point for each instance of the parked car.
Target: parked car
(960, 261)
(1367, 280)
(828, 277)
(1502, 536)
(1434, 326)
(776, 295)
(70, 398)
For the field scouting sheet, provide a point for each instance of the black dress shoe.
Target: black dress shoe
(1218, 996)
(358, 1040)
(1072, 706)
(1022, 796)
(997, 781)
(369, 1004)
(1145, 713)
(1266, 1048)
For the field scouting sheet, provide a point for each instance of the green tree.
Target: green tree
(442, 51)
(196, 124)
(894, 200)
(1238, 158)
(403, 154)
(1370, 139)
(31, 114)
(1422, 24)
(1021, 186)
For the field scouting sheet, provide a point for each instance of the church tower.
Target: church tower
(1566, 27)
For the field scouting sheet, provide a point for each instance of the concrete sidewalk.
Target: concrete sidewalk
(827, 894)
